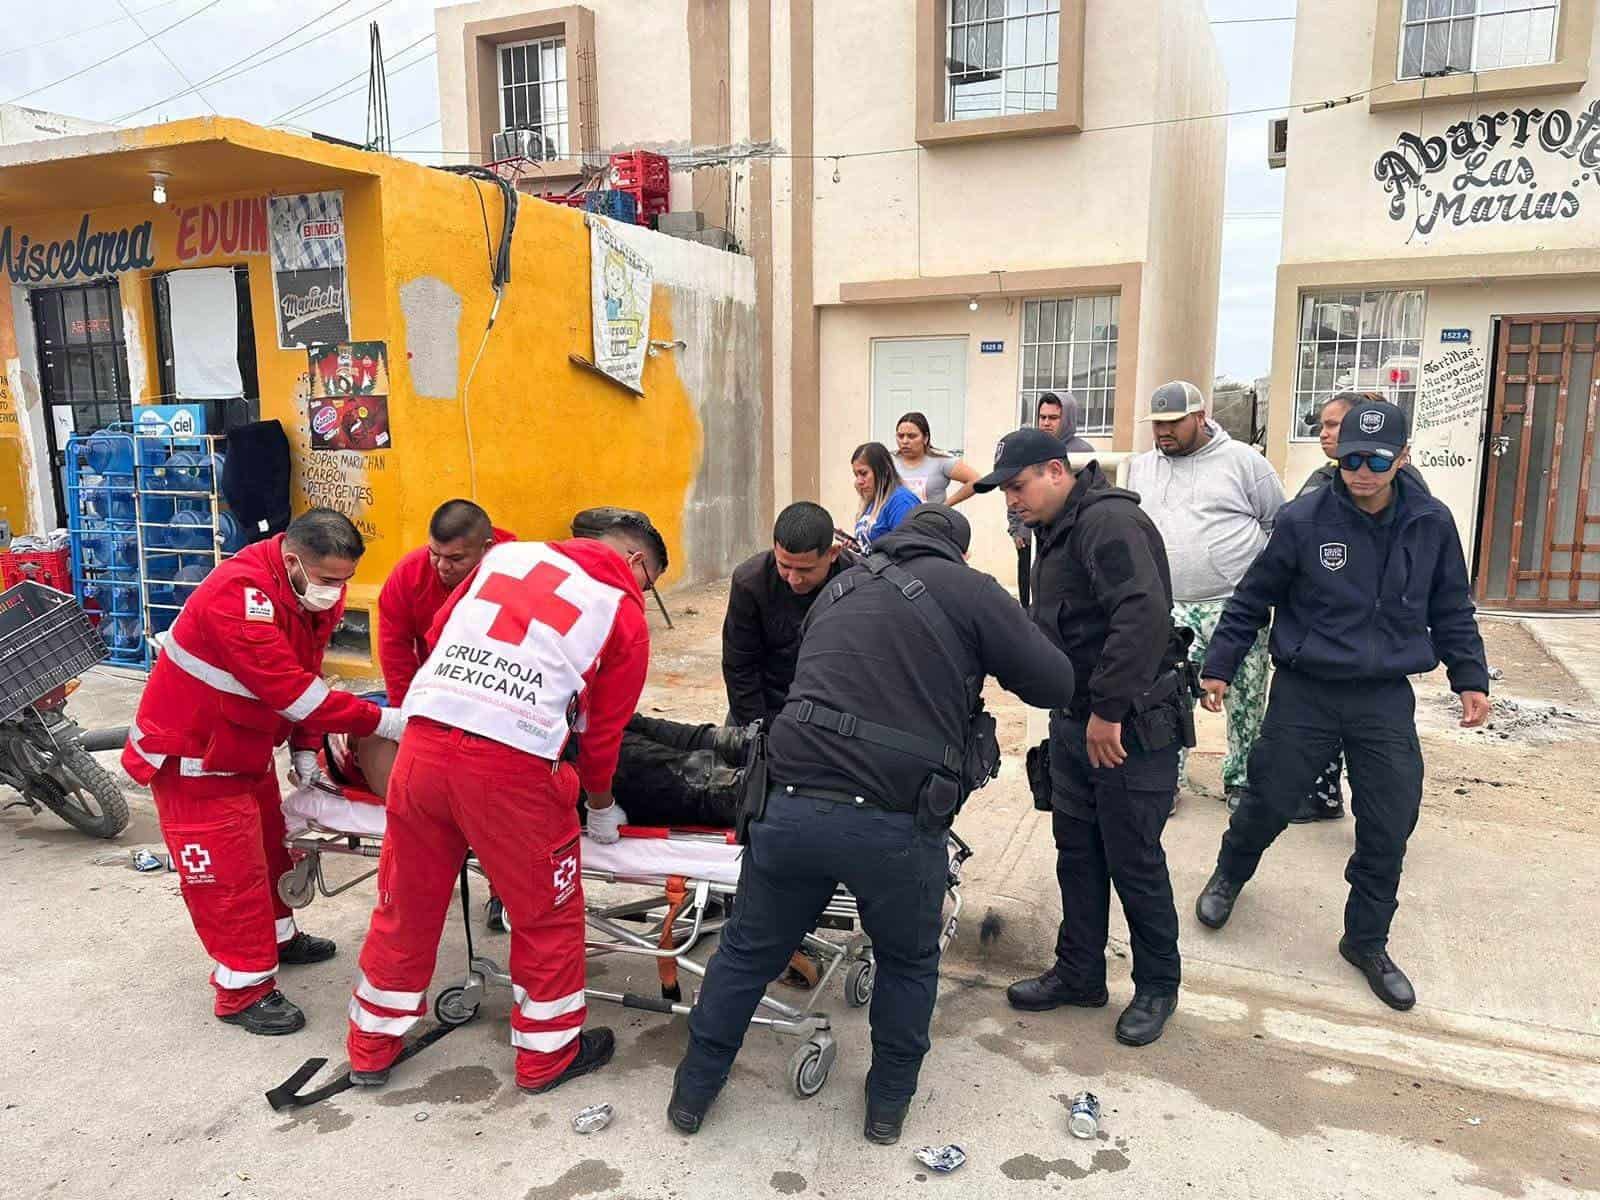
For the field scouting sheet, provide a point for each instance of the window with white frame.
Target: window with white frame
(533, 93)
(1446, 36)
(1070, 344)
(1356, 341)
(1002, 58)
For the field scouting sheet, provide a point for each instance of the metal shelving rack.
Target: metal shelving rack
(177, 476)
(102, 523)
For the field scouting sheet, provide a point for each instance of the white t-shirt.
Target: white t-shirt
(929, 480)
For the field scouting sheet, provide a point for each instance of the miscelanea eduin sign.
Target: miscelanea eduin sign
(1519, 165)
(308, 268)
(620, 290)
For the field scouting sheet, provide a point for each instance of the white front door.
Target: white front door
(926, 375)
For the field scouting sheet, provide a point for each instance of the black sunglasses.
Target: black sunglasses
(1379, 464)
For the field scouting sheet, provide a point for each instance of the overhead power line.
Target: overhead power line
(81, 71)
(172, 62)
(235, 69)
(61, 37)
(310, 104)
(1250, 20)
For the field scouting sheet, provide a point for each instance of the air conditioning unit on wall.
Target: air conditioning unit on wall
(1277, 141)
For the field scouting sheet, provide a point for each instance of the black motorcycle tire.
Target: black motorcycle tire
(112, 818)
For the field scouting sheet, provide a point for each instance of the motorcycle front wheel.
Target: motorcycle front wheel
(83, 794)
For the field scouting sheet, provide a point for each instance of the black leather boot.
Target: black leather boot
(595, 1048)
(1045, 992)
(302, 948)
(1142, 1021)
(370, 1079)
(685, 1114)
(1214, 905)
(884, 1121)
(271, 1016)
(1387, 981)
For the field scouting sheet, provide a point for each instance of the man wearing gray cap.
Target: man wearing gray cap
(881, 740)
(1214, 500)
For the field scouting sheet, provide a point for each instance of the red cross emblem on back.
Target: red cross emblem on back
(526, 600)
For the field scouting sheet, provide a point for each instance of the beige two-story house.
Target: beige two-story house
(953, 205)
(1441, 245)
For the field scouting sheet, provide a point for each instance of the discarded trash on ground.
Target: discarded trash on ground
(1083, 1121)
(942, 1159)
(421, 1116)
(594, 1118)
(144, 860)
(1496, 673)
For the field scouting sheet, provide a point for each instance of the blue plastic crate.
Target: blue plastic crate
(609, 202)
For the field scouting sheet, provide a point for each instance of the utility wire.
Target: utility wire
(408, 133)
(230, 71)
(172, 62)
(310, 105)
(356, 90)
(1250, 20)
(81, 71)
(61, 37)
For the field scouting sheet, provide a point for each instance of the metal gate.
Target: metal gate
(1540, 529)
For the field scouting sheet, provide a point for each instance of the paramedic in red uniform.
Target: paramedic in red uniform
(542, 639)
(239, 673)
(459, 534)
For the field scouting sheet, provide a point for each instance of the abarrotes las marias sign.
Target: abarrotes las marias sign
(1521, 165)
(92, 253)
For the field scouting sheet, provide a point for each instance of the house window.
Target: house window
(1003, 58)
(1070, 344)
(533, 94)
(1356, 342)
(1445, 36)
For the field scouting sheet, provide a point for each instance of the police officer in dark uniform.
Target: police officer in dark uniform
(1368, 585)
(1102, 591)
(869, 760)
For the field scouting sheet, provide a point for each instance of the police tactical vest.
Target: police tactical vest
(512, 659)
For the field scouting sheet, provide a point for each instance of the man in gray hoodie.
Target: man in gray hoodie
(1214, 501)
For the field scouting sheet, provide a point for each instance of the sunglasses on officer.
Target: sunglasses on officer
(1378, 464)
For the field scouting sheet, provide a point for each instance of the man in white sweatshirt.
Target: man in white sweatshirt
(1214, 501)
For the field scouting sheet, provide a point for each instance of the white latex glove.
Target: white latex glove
(605, 823)
(391, 724)
(306, 771)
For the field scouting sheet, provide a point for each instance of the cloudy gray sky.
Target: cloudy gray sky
(304, 64)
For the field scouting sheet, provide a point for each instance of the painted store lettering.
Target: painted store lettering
(88, 255)
(229, 227)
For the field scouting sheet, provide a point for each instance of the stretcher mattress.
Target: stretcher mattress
(641, 853)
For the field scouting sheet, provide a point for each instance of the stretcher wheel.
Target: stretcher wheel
(454, 1007)
(296, 887)
(810, 1064)
(858, 981)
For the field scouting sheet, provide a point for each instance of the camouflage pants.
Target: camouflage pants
(1246, 702)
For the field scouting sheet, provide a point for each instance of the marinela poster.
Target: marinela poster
(308, 268)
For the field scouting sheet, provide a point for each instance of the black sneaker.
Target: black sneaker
(683, 1114)
(271, 1016)
(303, 949)
(1214, 905)
(595, 1048)
(1045, 992)
(1142, 1021)
(495, 915)
(884, 1121)
(370, 1079)
(1387, 981)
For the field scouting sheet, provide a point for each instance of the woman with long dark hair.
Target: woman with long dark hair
(926, 471)
(885, 501)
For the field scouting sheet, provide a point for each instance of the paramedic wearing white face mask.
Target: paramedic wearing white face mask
(240, 673)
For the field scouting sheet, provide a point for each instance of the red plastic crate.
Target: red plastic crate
(639, 170)
(646, 206)
(566, 199)
(53, 568)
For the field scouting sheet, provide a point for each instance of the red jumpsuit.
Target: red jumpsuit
(240, 673)
(541, 636)
(407, 606)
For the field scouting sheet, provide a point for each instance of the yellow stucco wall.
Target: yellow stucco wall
(550, 437)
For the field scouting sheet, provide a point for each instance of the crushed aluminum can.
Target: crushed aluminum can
(942, 1159)
(1083, 1121)
(143, 860)
(594, 1118)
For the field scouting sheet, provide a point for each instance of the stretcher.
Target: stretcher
(689, 879)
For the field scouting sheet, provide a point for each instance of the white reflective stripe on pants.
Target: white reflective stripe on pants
(543, 1043)
(229, 978)
(371, 1022)
(284, 927)
(547, 1010)
(399, 1001)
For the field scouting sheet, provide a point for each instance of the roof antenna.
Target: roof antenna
(377, 96)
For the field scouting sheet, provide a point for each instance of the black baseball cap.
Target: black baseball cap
(944, 521)
(1373, 427)
(1027, 447)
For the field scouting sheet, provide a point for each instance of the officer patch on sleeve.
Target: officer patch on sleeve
(1114, 563)
(257, 605)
